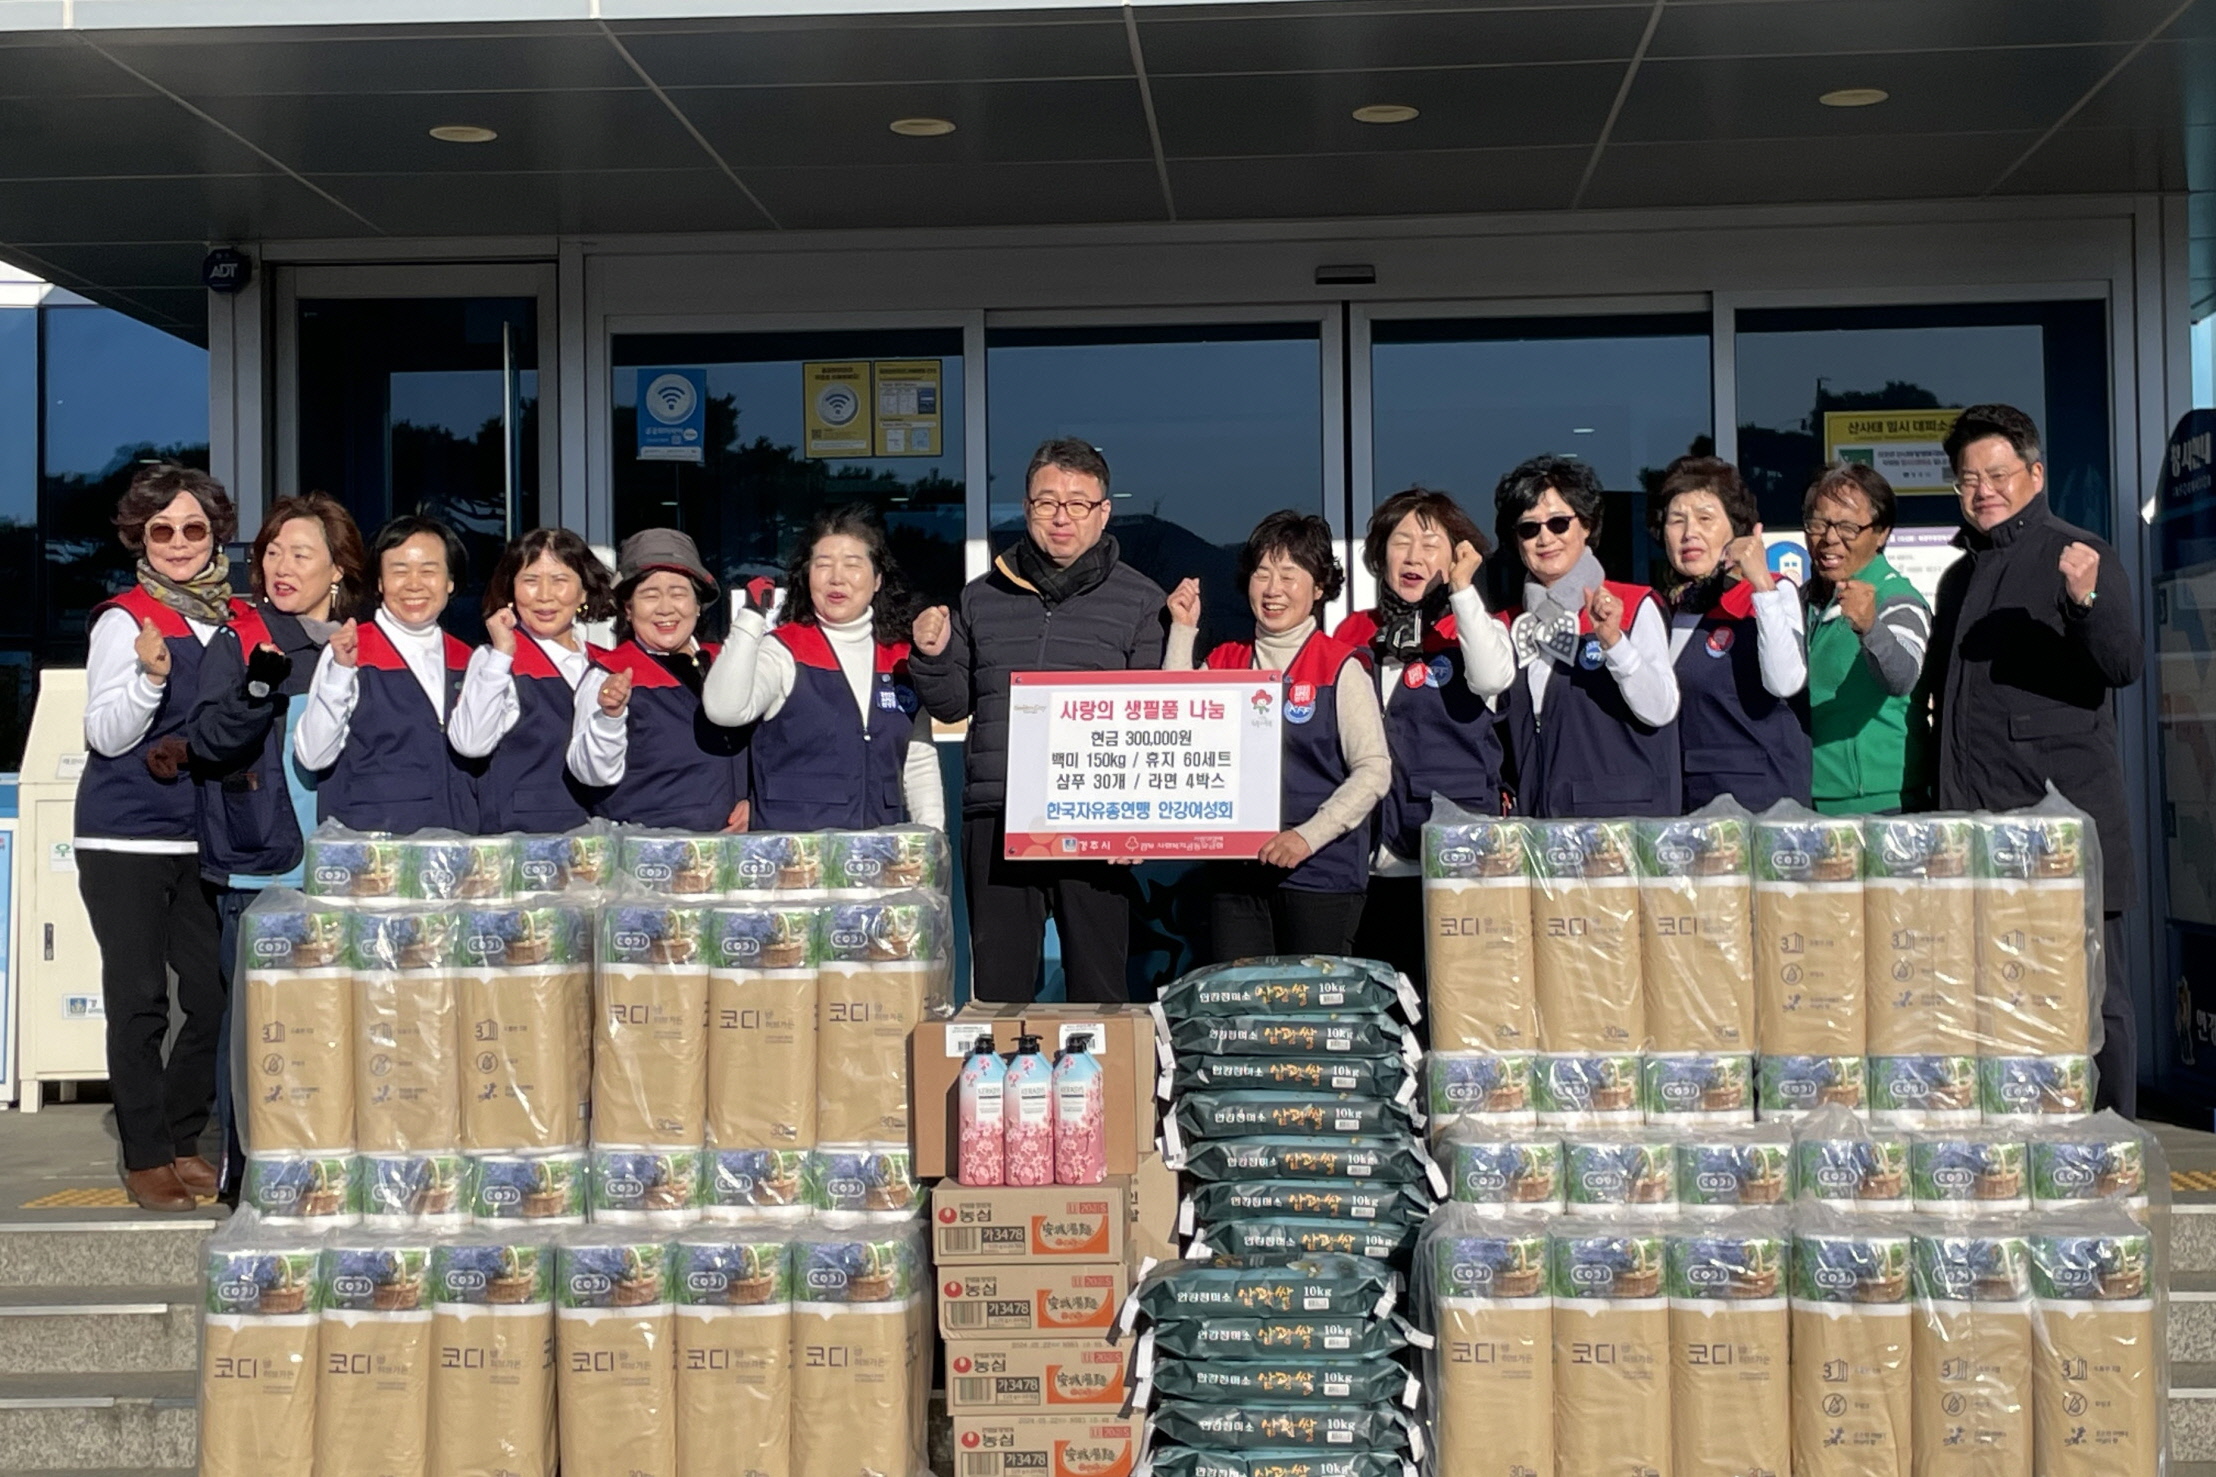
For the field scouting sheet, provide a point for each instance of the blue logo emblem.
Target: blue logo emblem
(1589, 654)
(1437, 671)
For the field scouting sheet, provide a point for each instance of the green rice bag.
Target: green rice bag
(1289, 985)
(1396, 1161)
(1202, 1337)
(1387, 1077)
(1189, 1461)
(1386, 1240)
(1287, 1381)
(1326, 1036)
(1238, 1113)
(1250, 1286)
(1260, 1428)
(1236, 1200)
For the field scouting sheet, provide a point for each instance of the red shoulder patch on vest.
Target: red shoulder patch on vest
(1357, 629)
(457, 653)
(1631, 595)
(1737, 602)
(531, 659)
(809, 646)
(645, 670)
(1320, 657)
(251, 630)
(375, 649)
(1231, 656)
(142, 607)
(892, 656)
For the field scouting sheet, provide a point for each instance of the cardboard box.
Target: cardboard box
(1035, 1298)
(1054, 1445)
(937, 1051)
(1009, 1223)
(1154, 1201)
(1034, 1374)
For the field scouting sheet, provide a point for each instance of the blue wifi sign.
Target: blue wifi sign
(673, 414)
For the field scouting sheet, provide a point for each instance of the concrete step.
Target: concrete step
(122, 1252)
(2192, 1414)
(76, 1422)
(85, 1330)
(2193, 1236)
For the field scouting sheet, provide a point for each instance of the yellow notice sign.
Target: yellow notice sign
(908, 408)
(835, 398)
(1905, 446)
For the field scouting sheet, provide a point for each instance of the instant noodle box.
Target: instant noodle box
(1046, 1445)
(1009, 1223)
(1036, 1298)
(1122, 1042)
(1033, 1374)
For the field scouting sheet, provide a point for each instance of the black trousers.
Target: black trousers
(151, 916)
(2116, 1065)
(1250, 914)
(1393, 928)
(1008, 907)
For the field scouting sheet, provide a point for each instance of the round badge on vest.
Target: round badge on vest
(1300, 702)
(1719, 641)
(1437, 671)
(1413, 675)
(1589, 654)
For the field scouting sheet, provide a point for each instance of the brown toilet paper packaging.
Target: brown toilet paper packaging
(1730, 1396)
(524, 986)
(861, 1353)
(1483, 1280)
(407, 1065)
(650, 1042)
(1477, 933)
(1851, 1376)
(1696, 930)
(492, 1372)
(1808, 941)
(374, 1357)
(1611, 1348)
(615, 1338)
(2097, 1377)
(734, 1353)
(294, 1053)
(885, 965)
(1972, 1341)
(762, 1009)
(1585, 936)
(258, 1352)
(1919, 911)
(2038, 908)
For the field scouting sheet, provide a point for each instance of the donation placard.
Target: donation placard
(1142, 764)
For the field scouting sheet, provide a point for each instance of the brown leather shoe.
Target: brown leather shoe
(158, 1189)
(196, 1174)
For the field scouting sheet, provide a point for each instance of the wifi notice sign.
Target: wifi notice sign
(835, 397)
(672, 414)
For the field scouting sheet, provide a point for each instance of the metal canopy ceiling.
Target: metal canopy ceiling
(126, 152)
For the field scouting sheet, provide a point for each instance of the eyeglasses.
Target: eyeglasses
(1972, 483)
(170, 533)
(1816, 528)
(1073, 508)
(1558, 525)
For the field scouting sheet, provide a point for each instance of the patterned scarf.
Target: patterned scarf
(1550, 620)
(205, 598)
(1401, 625)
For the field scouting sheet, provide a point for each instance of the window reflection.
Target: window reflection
(1455, 403)
(756, 489)
(1206, 429)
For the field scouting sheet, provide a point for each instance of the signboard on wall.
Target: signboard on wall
(672, 415)
(1905, 446)
(908, 402)
(835, 403)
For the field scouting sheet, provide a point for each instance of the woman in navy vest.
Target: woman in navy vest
(1592, 714)
(256, 802)
(1304, 893)
(375, 726)
(638, 729)
(519, 695)
(839, 744)
(1735, 634)
(1441, 662)
(138, 826)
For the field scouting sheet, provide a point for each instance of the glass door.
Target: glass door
(419, 392)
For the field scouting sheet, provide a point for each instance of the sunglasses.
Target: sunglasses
(1558, 525)
(170, 533)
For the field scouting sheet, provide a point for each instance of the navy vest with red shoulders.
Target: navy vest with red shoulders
(1313, 765)
(1585, 754)
(1737, 737)
(396, 772)
(118, 796)
(1442, 736)
(679, 771)
(527, 785)
(819, 765)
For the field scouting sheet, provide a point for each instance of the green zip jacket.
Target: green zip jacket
(1859, 690)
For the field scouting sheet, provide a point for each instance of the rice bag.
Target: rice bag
(1240, 1428)
(1388, 1077)
(1190, 1461)
(1210, 1115)
(1281, 1381)
(1400, 1161)
(1385, 1240)
(1256, 1199)
(1201, 1336)
(1288, 984)
(1277, 1285)
(1304, 1036)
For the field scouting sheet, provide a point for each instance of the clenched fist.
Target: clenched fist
(1858, 603)
(932, 629)
(153, 653)
(1287, 849)
(1606, 613)
(1464, 572)
(1184, 603)
(2081, 571)
(500, 630)
(346, 644)
(615, 694)
(1750, 560)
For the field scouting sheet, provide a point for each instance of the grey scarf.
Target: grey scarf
(1552, 613)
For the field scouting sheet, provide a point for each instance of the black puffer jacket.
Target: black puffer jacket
(1003, 626)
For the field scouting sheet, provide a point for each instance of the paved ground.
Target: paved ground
(60, 1164)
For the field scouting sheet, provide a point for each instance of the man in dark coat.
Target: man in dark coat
(2035, 626)
(1056, 600)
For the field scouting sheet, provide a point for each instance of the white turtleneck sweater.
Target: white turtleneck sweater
(1361, 730)
(753, 676)
(321, 736)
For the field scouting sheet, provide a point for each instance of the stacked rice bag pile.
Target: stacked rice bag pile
(415, 1044)
(1245, 1362)
(1292, 1090)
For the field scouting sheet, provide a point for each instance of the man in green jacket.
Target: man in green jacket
(1867, 633)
